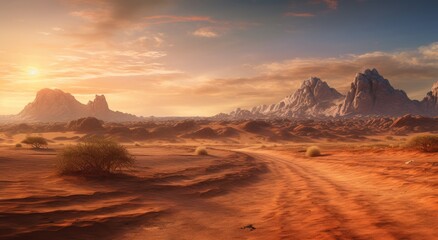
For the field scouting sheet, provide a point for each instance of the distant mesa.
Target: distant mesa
(54, 105)
(370, 94)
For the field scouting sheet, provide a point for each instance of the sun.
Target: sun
(32, 71)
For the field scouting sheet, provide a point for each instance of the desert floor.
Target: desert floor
(353, 191)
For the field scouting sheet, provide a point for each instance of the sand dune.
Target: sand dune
(362, 193)
(256, 183)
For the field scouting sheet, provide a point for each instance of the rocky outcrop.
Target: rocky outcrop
(371, 94)
(430, 102)
(313, 99)
(88, 124)
(54, 105)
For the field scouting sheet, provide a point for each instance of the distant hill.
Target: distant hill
(54, 105)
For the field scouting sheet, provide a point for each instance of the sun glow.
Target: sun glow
(32, 71)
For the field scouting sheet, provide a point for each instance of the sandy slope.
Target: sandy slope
(172, 194)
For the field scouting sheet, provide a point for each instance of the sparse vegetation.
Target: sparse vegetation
(313, 151)
(424, 143)
(35, 142)
(96, 156)
(18, 145)
(201, 151)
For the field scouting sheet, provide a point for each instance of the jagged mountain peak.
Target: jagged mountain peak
(99, 104)
(311, 82)
(370, 94)
(435, 87)
(314, 98)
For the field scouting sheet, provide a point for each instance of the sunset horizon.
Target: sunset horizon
(163, 51)
(218, 119)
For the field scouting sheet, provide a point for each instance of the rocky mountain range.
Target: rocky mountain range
(54, 105)
(370, 94)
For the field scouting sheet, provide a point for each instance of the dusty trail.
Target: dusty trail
(284, 195)
(325, 200)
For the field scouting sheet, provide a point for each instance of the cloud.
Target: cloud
(206, 32)
(57, 29)
(163, 19)
(106, 17)
(44, 33)
(331, 4)
(413, 71)
(299, 14)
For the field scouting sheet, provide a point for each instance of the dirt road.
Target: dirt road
(342, 197)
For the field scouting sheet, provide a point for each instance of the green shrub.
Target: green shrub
(313, 151)
(424, 143)
(95, 156)
(35, 142)
(201, 151)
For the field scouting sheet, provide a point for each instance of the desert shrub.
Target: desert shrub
(35, 142)
(313, 151)
(18, 145)
(389, 138)
(424, 143)
(201, 151)
(96, 156)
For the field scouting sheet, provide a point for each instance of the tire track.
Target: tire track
(335, 209)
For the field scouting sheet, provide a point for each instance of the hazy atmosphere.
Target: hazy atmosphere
(218, 119)
(199, 58)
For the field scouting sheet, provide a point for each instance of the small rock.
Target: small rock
(250, 227)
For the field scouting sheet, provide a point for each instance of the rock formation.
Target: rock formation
(313, 99)
(371, 94)
(430, 102)
(54, 105)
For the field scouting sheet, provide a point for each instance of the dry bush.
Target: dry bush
(95, 156)
(18, 145)
(313, 151)
(35, 142)
(424, 143)
(201, 151)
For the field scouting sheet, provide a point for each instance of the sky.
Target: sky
(202, 57)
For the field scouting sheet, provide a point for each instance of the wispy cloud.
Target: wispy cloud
(413, 71)
(331, 4)
(299, 14)
(162, 19)
(206, 32)
(107, 17)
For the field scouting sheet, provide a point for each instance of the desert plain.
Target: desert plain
(255, 183)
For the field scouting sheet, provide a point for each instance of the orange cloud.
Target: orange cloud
(299, 14)
(206, 32)
(161, 19)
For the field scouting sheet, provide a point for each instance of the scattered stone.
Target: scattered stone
(250, 227)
